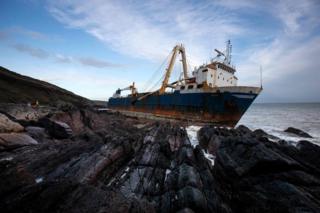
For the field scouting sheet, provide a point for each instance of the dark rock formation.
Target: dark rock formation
(265, 176)
(298, 132)
(37, 133)
(56, 129)
(309, 152)
(14, 140)
(113, 163)
(7, 125)
(253, 174)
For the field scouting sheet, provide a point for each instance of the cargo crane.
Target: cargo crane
(176, 50)
(132, 88)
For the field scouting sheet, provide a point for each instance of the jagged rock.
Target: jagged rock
(70, 196)
(75, 119)
(38, 133)
(213, 145)
(111, 165)
(243, 129)
(24, 112)
(193, 198)
(298, 132)
(14, 140)
(260, 133)
(266, 177)
(56, 129)
(309, 152)
(263, 136)
(7, 125)
(188, 176)
(185, 210)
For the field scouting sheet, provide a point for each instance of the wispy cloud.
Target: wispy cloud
(298, 16)
(96, 63)
(60, 58)
(30, 33)
(35, 52)
(16, 31)
(279, 35)
(150, 29)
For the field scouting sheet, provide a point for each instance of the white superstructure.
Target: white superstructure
(215, 74)
(218, 73)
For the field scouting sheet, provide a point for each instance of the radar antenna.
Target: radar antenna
(226, 54)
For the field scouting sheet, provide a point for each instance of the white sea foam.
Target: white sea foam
(39, 179)
(275, 118)
(6, 159)
(168, 171)
(209, 156)
(192, 134)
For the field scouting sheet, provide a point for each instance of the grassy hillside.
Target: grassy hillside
(16, 88)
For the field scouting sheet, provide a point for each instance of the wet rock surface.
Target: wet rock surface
(85, 161)
(254, 174)
(298, 132)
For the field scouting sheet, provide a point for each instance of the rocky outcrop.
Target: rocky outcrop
(266, 177)
(37, 133)
(56, 129)
(14, 140)
(7, 125)
(298, 132)
(254, 174)
(113, 163)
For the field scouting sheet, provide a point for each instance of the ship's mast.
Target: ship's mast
(176, 50)
(227, 59)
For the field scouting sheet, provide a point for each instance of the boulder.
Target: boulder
(254, 175)
(243, 129)
(213, 145)
(38, 133)
(15, 140)
(188, 176)
(263, 136)
(310, 152)
(7, 125)
(56, 129)
(297, 132)
(193, 198)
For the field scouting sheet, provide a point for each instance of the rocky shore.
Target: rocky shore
(81, 160)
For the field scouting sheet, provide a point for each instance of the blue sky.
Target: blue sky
(93, 47)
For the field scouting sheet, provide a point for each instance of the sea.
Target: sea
(274, 118)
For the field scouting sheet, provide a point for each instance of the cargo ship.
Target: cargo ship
(209, 96)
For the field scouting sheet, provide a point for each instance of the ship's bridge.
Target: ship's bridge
(215, 74)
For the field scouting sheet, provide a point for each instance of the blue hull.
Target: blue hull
(216, 108)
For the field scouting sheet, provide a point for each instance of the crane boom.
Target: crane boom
(176, 50)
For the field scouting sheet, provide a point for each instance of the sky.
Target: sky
(94, 47)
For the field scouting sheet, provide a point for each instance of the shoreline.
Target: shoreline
(110, 162)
